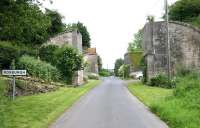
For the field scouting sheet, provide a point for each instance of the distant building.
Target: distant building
(91, 58)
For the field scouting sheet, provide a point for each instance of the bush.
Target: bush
(93, 76)
(47, 53)
(183, 71)
(10, 51)
(104, 73)
(187, 83)
(124, 71)
(161, 80)
(39, 68)
(196, 21)
(68, 60)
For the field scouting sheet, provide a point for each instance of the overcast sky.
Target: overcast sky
(111, 23)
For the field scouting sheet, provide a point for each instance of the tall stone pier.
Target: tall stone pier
(73, 39)
(184, 42)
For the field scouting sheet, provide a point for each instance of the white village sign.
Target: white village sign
(14, 73)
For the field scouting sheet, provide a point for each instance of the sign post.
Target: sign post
(13, 95)
(14, 73)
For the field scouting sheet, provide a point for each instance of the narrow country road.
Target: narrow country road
(109, 105)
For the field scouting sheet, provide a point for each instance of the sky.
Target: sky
(111, 23)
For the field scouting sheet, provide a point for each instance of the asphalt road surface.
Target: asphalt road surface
(109, 105)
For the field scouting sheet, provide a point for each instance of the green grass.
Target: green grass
(149, 95)
(2, 90)
(2, 87)
(38, 111)
(179, 108)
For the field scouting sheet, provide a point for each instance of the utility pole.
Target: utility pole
(168, 42)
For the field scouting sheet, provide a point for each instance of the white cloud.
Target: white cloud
(111, 23)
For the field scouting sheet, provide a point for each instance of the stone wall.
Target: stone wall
(92, 65)
(91, 57)
(185, 47)
(133, 59)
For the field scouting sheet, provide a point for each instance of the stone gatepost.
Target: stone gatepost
(78, 78)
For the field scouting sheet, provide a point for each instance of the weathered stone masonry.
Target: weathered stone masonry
(91, 57)
(185, 47)
(73, 39)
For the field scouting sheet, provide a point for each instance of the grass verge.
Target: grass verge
(38, 111)
(179, 108)
(148, 95)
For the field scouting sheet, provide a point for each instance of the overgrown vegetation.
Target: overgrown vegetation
(124, 71)
(47, 53)
(180, 109)
(136, 43)
(65, 58)
(23, 23)
(161, 80)
(39, 69)
(135, 57)
(68, 60)
(38, 111)
(24, 27)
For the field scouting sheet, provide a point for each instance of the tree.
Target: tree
(118, 63)
(47, 53)
(136, 44)
(22, 21)
(57, 25)
(123, 71)
(186, 11)
(7, 54)
(85, 34)
(83, 30)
